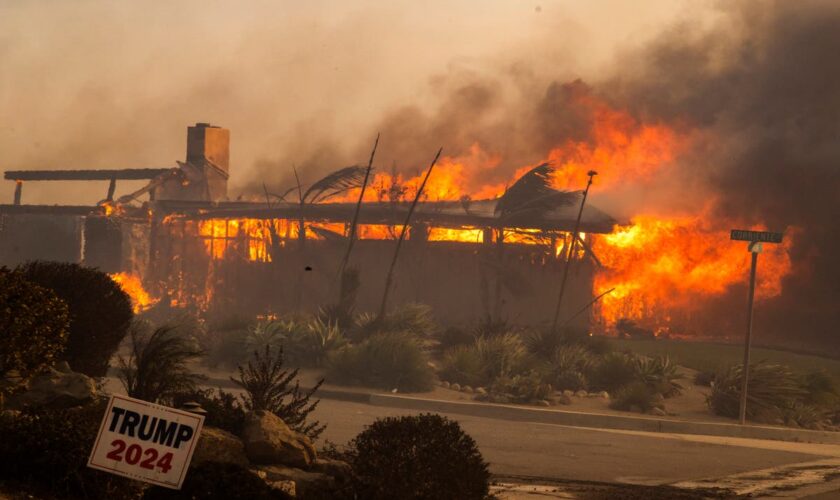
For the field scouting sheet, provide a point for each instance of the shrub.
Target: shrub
(341, 313)
(487, 359)
(100, 312)
(418, 457)
(660, 374)
(821, 389)
(704, 378)
(156, 367)
(33, 325)
(224, 343)
(50, 448)
(385, 360)
(636, 396)
(545, 342)
(568, 367)
(218, 481)
(269, 387)
(773, 389)
(311, 343)
(613, 372)
(463, 365)
(527, 388)
(454, 336)
(412, 318)
(224, 409)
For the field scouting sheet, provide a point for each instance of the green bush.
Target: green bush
(218, 481)
(487, 359)
(33, 325)
(418, 457)
(636, 396)
(156, 366)
(821, 389)
(526, 388)
(224, 409)
(100, 312)
(773, 390)
(660, 374)
(454, 336)
(311, 343)
(50, 448)
(270, 387)
(415, 319)
(385, 360)
(463, 365)
(568, 366)
(615, 370)
(704, 378)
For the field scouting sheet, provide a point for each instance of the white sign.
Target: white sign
(146, 441)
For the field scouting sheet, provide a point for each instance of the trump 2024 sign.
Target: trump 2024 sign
(145, 441)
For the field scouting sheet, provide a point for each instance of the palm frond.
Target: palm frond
(532, 195)
(335, 183)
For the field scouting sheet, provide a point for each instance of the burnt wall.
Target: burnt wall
(25, 237)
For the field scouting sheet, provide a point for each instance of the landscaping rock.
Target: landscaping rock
(568, 393)
(455, 387)
(563, 399)
(268, 440)
(481, 390)
(335, 468)
(55, 389)
(543, 402)
(467, 389)
(581, 394)
(659, 412)
(604, 395)
(444, 384)
(217, 445)
(306, 483)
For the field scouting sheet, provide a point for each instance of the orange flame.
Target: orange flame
(131, 285)
(659, 264)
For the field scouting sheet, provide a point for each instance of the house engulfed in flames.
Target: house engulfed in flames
(178, 242)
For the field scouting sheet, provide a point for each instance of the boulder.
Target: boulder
(55, 389)
(568, 393)
(455, 387)
(604, 395)
(481, 391)
(444, 384)
(581, 394)
(335, 468)
(306, 483)
(217, 445)
(268, 440)
(467, 389)
(564, 399)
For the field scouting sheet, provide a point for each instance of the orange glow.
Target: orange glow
(658, 264)
(466, 235)
(131, 285)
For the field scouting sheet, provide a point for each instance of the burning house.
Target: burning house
(180, 242)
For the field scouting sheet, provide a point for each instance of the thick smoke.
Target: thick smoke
(763, 85)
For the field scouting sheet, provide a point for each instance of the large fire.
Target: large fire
(655, 265)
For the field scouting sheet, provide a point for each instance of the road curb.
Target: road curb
(583, 419)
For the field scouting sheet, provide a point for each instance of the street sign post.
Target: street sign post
(145, 441)
(755, 247)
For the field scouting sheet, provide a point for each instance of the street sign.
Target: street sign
(145, 441)
(765, 236)
(756, 238)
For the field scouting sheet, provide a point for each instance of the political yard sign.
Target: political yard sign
(146, 442)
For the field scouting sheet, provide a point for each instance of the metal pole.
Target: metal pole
(570, 252)
(745, 370)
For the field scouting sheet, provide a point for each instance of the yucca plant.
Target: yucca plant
(311, 343)
(267, 333)
(463, 365)
(660, 374)
(412, 318)
(568, 367)
(613, 371)
(523, 388)
(385, 360)
(773, 389)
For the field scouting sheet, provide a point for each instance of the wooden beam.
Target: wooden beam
(85, 175)
(49, 209)
(18, 189)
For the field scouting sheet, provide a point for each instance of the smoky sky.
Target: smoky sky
(106, 85)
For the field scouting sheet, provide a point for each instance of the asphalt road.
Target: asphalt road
(559, 452)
